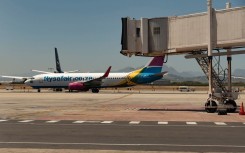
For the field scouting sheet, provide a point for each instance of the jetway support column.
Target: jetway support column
(210, 68)
(210, 47)
(229, 72)
(228, 5)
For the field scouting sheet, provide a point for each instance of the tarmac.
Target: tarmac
(108, 105)
(111, 105)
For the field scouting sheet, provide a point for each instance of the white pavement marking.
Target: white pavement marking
(220, 123)
(106, 122)
(53, 121)
(25, 121)
(134, 122)
(163, 123)
(3, 120)
(92, 121)
(79, 122)
(191, 123)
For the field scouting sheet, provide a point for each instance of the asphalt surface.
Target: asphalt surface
(110, 105)
(116, 121)
(138, 136)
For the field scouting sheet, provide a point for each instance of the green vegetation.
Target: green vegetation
(238, 84)
(188, 83)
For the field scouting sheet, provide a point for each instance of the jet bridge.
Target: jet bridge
(201, 36)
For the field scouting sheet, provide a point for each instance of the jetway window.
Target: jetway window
(138, 32)
(156, 30)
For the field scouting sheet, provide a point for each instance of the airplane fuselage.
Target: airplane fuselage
(85, 81)
(62, 80)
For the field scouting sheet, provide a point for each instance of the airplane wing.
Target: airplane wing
(23, 79)
(16, 77)
(41, 71)
(45, 72)
(6, 82)
(72, 71)
(97, 82)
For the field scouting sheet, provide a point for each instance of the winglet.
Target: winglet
(107, 72)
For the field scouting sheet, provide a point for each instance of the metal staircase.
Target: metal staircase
(217, 73)
(224, 97)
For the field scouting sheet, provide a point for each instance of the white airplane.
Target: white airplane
(94, 81)
(58, 67)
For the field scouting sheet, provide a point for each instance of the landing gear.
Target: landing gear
(211, 106)
(95, 90)
(230, 105)
(57, 89)
(38, 90)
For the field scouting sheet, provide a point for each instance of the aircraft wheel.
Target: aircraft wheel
(211, 106)
(95, 90)
(231, 104)
(38, 90)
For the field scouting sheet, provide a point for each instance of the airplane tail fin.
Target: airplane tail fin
(154, 65)
(151, 72)
(57, 61)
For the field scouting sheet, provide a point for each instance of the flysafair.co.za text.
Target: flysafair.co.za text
(63, 78)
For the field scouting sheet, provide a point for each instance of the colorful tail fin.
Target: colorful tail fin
(154, 65)
(151, 72)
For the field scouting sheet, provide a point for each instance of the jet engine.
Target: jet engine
(77, 86)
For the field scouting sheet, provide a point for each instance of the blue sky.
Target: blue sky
(87, 33)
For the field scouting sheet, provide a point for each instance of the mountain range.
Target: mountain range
(173, 75)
